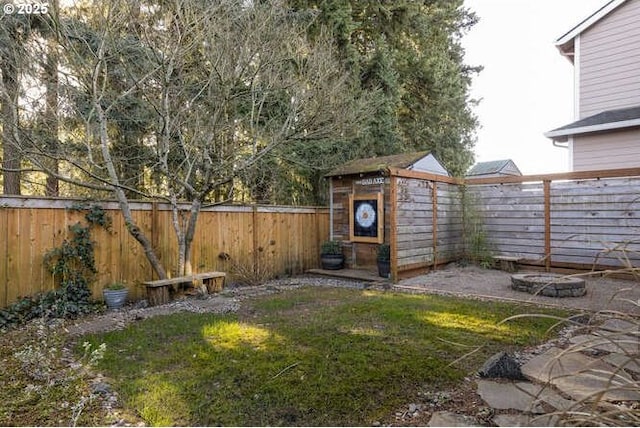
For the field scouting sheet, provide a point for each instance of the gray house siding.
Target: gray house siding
(609, 58)
(619, 149)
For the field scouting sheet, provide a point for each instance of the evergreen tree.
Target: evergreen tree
(407, 55)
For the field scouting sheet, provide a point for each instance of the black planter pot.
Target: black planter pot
(384, 268)
(332, 261)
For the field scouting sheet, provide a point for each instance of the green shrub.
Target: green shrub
(331, 248)
(73, 267)
(384, 252)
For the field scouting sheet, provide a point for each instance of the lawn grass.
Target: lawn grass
(313, 356)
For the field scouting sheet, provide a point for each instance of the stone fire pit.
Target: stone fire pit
(548, 284)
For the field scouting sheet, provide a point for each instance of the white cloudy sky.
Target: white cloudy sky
(526, 86)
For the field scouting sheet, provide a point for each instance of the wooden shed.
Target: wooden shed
(360, 202)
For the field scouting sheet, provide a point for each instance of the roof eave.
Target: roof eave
(589, 21)
(567, 50)
(562, 135)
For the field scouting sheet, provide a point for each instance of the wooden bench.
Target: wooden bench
(507, 263)
(207, 282)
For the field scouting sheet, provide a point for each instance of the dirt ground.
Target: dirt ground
(603, 293)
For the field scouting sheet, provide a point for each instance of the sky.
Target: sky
(526, 87)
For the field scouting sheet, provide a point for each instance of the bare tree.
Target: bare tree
(227, 82)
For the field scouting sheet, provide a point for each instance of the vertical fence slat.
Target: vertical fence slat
(4, 256)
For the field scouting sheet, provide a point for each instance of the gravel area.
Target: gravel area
(224, 302)
(468, 281)
(603, 293)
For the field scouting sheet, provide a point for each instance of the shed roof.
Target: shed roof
(375, 164)
(492, 167)
(607, 120)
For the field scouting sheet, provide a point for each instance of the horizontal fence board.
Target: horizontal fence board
(515, 228)
(405, 261)
(598, 253)
(406, 207)
(413, 230)
(409, 217)
(415, 252)
(596, 234)
(416, 243)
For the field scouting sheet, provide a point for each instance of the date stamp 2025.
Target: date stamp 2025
(25, 8)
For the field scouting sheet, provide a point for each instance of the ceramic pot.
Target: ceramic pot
(115, 299)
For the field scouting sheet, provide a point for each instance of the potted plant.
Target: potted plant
(384, 260)
(115, 295)
(331, 256)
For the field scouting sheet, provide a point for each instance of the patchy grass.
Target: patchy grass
(313, 356)
(42, 383)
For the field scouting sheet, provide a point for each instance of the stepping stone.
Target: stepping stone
(548, 395)
(507, 396)
(626, 362)
(581, 377)
(618, 325)
(616, 342)
(523, 396)
(525, 421)
(450, 419)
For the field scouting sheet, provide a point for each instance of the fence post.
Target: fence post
(154, 231)
(254, 228)
(393, 220)
(547, 224)
(434, 223)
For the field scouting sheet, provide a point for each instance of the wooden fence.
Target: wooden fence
(428, 223)
(580, 220)
(274, 240)
(571, 220)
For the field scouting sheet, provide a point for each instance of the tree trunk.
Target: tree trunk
(196, 205)
(11, 152)
(51, 119)
(132, 227)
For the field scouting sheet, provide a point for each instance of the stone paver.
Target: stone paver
(450, 419)
(624, 361)
(618, 325)
(548, 395)
(580, 376)
(614, 342)
(525, 421)
(522, 396)
(508, 396)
